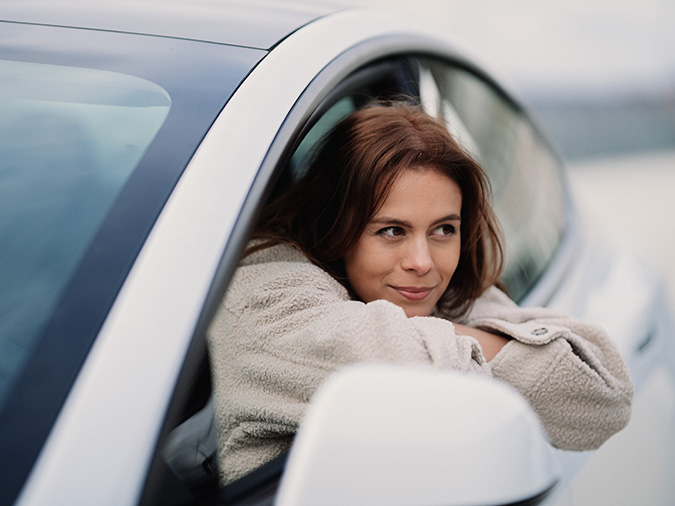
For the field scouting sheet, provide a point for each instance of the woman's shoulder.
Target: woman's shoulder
(491, 303)
(493, 299)
(280, 252)
(283, 268)
(495, 303)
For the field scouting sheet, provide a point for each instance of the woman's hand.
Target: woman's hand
(489, 342)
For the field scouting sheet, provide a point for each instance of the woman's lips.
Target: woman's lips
(413, 292)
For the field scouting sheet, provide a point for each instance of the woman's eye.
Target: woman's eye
(391, 231)
(445, 230)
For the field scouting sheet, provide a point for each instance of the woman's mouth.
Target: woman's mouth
(413, 292)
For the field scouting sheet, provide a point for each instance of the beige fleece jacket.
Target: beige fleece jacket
(285, 325)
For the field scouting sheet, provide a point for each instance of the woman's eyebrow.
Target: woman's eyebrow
(449, 217)
(386, 220)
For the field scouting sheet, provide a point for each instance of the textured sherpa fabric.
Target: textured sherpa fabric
(285, 325)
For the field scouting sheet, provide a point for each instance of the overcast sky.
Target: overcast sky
(587, 45)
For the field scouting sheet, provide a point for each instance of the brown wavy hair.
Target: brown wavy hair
(351, 174)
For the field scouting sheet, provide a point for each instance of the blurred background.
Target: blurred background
(600, 76)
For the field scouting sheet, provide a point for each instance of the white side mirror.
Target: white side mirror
(399, 436)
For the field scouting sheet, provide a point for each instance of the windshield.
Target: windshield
(97, 127)
(69, 139)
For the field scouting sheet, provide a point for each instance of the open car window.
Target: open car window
(524, 172)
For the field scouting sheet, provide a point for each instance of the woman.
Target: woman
(387, 250)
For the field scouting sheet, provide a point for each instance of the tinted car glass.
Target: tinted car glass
(525, 174)
(69, 139)
(131, 81)
(301, 158)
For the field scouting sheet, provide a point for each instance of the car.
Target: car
(140, 141)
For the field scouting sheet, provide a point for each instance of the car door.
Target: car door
(524, 171)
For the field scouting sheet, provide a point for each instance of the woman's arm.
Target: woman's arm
(283, 328)
(491, 343)
(569, 370)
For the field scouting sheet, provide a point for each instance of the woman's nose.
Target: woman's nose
(417, 257)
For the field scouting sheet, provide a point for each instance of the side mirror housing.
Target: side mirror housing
(400, 436)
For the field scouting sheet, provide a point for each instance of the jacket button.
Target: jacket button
(540, 331)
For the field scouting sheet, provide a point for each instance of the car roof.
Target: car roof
(257, 24)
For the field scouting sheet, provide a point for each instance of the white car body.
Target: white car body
(189, 240)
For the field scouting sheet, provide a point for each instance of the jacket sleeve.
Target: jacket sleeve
(569, 370)
(298, 324)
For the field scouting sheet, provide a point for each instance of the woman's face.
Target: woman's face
(409, 250)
